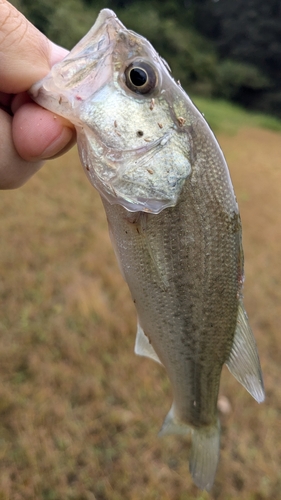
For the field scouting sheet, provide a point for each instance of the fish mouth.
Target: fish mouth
(104, 16)
(84, 70)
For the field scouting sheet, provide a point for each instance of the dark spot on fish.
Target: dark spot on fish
(88, 168)
(115, 123)
(160, 125)
(132, 218)
(149, 171)
(139, 133)
(60, 100)
(79, 98)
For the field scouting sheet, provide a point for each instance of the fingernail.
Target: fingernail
(59, 144)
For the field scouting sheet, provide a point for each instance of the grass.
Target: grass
(79, 412)
(224, 116)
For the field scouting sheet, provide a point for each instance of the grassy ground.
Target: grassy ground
(224, 116)
(79, 413)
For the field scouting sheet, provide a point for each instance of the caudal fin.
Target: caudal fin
(204, 454)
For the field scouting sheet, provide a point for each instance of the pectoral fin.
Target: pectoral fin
(244, 361)
(143, 347)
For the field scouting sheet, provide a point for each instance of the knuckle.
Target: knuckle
(13, 27)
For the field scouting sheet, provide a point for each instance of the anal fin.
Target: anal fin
(143, 347)
(172, 425)
(243, 360)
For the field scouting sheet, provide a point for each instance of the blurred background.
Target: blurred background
(79, 412)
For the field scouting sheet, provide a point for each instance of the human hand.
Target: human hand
(29, 134)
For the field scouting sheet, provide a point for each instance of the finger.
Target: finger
(37, 53)
(56, 53)
(14, 171)
(5, 101)
(40, 134)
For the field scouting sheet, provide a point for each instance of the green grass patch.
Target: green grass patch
(224, 116)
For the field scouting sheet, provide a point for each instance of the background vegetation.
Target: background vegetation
(79, 412)
(223, 48)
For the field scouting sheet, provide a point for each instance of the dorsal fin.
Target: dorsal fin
(143, 347)
(243, 360)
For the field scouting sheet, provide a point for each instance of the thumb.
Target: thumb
(37, 53)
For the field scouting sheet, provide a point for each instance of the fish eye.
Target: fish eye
(140, 77)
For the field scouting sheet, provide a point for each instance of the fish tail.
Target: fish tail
(204, 454)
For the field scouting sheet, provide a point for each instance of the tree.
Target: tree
(247, 31)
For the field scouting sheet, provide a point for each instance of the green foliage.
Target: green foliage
(74, 26)
(248, 33)
(226, 117)
(271, 103)
(64, 22)
(224, 49)
(231, 76)
(39, 13)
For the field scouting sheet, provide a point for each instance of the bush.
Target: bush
(231, 76)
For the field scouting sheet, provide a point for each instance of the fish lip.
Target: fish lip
(93, 46)
(105, 15)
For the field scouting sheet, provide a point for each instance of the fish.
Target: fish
(173, 220)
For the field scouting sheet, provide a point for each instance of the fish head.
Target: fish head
(131, 116)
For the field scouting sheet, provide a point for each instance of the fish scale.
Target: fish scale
(187, 304)
(173, 221)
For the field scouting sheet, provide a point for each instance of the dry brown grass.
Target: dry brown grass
(79, 413)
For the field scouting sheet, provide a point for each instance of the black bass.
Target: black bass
(173, 220)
